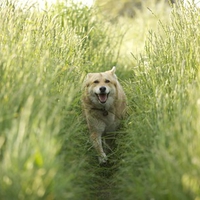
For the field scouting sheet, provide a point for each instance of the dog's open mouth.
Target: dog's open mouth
(102, 97)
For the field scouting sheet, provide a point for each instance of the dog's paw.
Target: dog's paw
(103, 159)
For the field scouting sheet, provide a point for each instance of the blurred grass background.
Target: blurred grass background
(45, 151)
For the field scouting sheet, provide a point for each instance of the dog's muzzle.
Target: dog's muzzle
(102, 95)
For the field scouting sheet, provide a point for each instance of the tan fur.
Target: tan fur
(104, 104)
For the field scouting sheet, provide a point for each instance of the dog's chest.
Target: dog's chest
(110, 121)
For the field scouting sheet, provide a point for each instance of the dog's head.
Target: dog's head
(101, 87)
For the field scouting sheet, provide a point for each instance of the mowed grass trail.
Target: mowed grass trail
(45, 152)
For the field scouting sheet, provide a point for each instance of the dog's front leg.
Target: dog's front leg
(97, 143)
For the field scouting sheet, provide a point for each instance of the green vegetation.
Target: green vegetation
(161, 160)
(45, 151)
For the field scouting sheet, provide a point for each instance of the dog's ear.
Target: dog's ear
(85, 82)
(88, 76)
(113, 70)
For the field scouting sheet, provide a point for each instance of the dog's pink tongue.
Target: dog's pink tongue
(102, 97)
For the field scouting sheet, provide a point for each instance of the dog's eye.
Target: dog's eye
(107, 81)
(96, 81)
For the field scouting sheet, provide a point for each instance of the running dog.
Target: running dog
(104, 104)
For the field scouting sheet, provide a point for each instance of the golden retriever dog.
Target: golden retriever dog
(104, 104)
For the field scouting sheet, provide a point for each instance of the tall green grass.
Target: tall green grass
(45, 151)
(43, 59)
(160, 157)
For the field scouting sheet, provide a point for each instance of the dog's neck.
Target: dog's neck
(103, 110)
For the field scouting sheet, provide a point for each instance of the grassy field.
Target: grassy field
(45, 152)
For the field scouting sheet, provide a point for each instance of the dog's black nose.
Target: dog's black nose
(102, 89)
